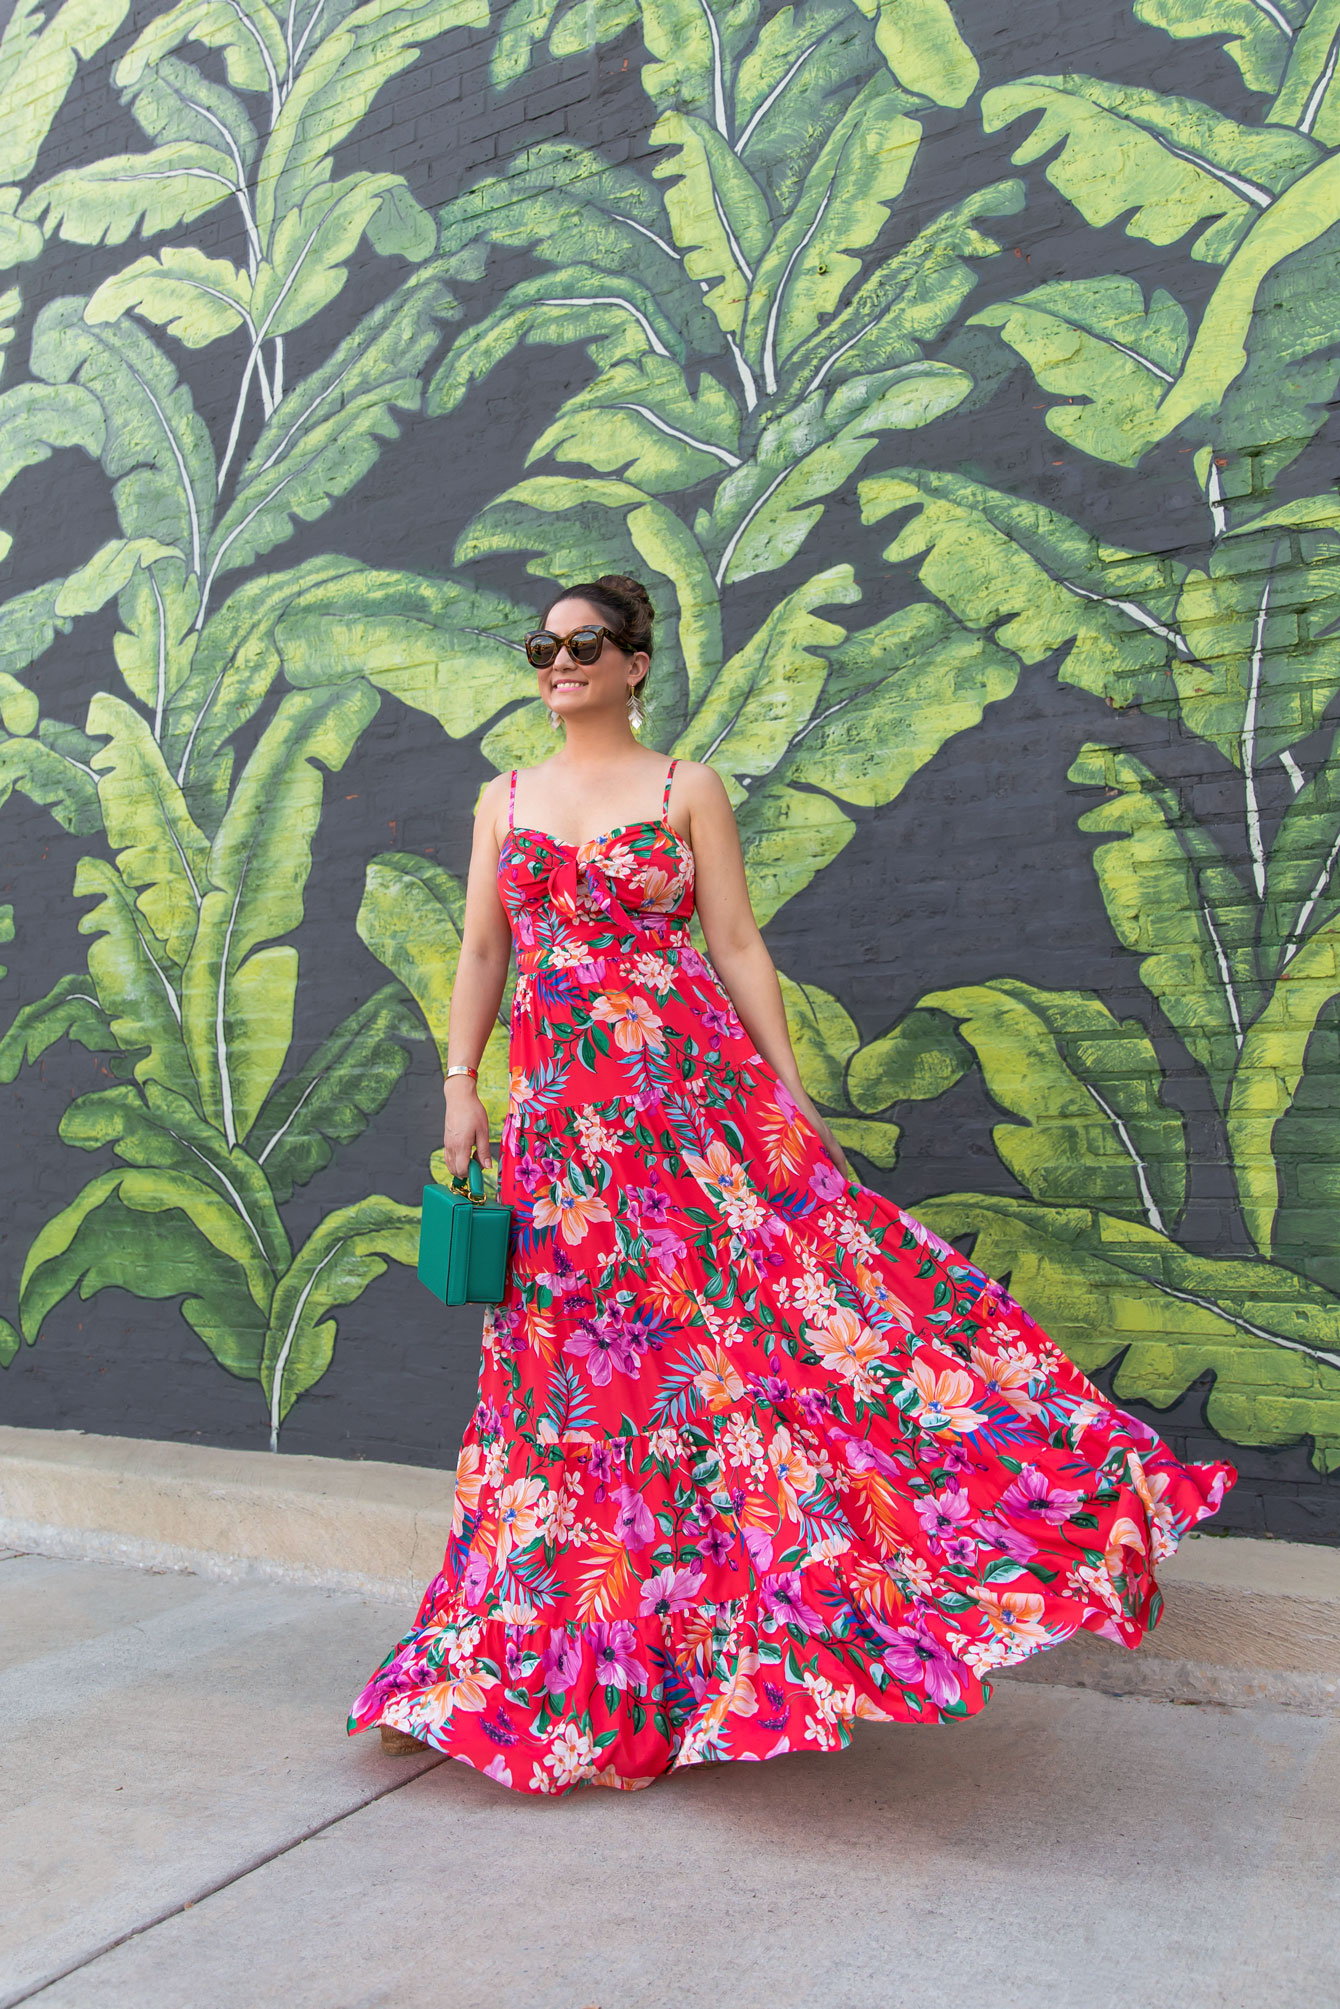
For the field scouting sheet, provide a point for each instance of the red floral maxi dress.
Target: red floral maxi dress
(755, 1454)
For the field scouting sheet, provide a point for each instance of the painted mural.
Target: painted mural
(770, 316)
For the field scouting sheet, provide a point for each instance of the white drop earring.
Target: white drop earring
(636, 715)
(553, 717)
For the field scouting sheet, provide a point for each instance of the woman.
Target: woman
(755, 1454)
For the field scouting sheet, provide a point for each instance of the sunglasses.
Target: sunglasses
(583, 645)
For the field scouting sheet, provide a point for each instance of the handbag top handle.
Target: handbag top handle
(476, 1180)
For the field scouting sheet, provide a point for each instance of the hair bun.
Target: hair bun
(629, 589)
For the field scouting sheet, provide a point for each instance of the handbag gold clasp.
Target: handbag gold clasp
(474, 1190)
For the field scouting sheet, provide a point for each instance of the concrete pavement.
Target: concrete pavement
(185, 1826)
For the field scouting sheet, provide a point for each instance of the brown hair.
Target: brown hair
(626, 605)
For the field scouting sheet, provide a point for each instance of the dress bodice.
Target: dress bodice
(629, 889)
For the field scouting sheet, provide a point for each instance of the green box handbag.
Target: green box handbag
(463, 1242)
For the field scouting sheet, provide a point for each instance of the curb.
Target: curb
(332, 1523)
(1247, 1622)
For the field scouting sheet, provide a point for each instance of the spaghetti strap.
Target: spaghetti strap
(511, 801)
(665, 798)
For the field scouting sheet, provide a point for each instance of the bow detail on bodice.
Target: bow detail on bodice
(628, 890)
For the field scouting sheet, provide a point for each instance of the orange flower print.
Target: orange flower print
(741, 1698)
(1015, 1617)
(616, 860)
(794, 1471)
(1152, 1491)
(635, 1023)
(942, 1400)
(518, 1515)
(571, 1212)
(849, 1348)
(1122, 1535)
(521, 1090)
(467, 1691)
(872, 1286)
(1007, 1379)
(718, 1383)
(658, 890)
(469, 1484)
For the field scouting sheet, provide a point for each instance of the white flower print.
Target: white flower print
(570, 1755)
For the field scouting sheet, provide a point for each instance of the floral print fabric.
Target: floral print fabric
(755, 1454)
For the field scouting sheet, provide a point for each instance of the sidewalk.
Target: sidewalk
(185, 1826)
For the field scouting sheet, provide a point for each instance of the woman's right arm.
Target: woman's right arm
(481, 976)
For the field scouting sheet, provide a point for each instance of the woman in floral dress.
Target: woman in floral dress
(755, 1454)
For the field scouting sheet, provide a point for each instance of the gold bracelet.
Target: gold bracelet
(461, 1068)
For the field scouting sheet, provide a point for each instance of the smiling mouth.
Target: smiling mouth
(567, 683)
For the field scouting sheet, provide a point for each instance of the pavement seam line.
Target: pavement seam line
(212, 1890)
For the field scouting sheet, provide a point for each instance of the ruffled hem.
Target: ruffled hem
(546, 1707)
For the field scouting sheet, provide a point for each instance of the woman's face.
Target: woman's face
(568, 686)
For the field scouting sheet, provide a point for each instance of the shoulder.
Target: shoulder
(491, 808)
(699, 787)
(698, 782)
(493, 793)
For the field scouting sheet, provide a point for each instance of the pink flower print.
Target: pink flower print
(960, 1552)
(514, 1655)
(915, 1657)
(666, 1246)
(474, 1578)
(783, 1600)
(605, 1465)
(508, 1325)
(718, 1545)
(814, 1406)
(617, 1665)
(826, 1182)
(497, 1769)
(651, 1204)
(998, 1534)
(942, 1515)
(1032, 1497)
(633, 1523)
(605, 1343)
(670, 1590)
(926, 1238)
(559, 1663)
(759, 1546)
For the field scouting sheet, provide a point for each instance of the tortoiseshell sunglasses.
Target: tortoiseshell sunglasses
(583, 645)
